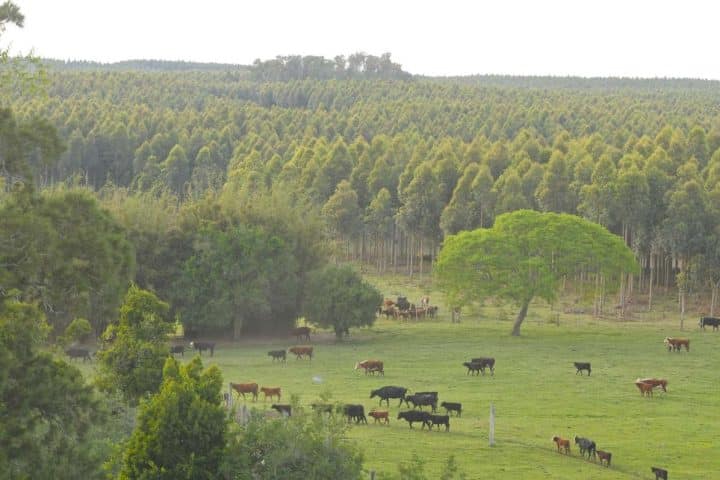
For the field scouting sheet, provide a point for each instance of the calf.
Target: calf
(386, 393)
(604, 456)
(371, 366)
(586, 445)
(580, 366)
(473, 367)
(712, 321)
(655, 382)
(177, 349)
(380, 415)
(271, 392)
(283, 409)
(412, 416)
(355, 412)
(277, 355)
(562, 443)
(660, 473)
(646, 389)
(677, 344)
(200, 346)
(78, 352)
(485, 362)
(421, 400)
(452, 407)
(440, 420)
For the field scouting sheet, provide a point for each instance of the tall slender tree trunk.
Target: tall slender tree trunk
(650, 285)
(520, 318)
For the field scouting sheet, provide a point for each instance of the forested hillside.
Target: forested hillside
(386, 162)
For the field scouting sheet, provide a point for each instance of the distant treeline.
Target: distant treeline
(141, 66)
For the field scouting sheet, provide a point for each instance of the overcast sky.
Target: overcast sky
(631, 38)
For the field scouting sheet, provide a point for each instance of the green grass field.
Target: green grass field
(535, 391)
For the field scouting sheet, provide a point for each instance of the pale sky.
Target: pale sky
(641, 38)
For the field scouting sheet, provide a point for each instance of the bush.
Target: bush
(78, 331)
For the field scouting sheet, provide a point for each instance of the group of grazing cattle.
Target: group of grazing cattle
(586, 446)
(194, 345)
(300, 352)
(402, 309)
(477, 365)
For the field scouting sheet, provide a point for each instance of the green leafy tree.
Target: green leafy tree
(135, 347)
(338, 297)
(303, 446)
(525, 255)
(46, 408)
(342, 212)
(180, 432)
(79, 330)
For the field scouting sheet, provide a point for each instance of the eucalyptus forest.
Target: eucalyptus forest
(145, 198)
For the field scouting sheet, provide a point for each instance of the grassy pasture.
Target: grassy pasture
(535, 390)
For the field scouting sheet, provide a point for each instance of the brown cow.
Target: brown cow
(371, 366)
(562, 443)
(607, 456)
(301, 352)
(646, 389)
(676, 344)
(655, 382)
(302, 332)
(270, 392)
(379, 415)
(243, 388)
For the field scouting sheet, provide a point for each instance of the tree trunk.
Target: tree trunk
(520, 318)
(650, 284)
(237, 327)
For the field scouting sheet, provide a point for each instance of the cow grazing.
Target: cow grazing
(655, 382)
(586, 445)
(243, 388)
(440, 420)
(355, 412)
(562, 443)
(580, 366)
(660, 473)
(646, 389)
(485, 362)
(604, 456)
(302, 333)
(270, 392)
(712, 321)
(200, 346)
(472, 367)
(452, 407)
(380, 415)
(386, 393)
(302, 352)
(677, 344)
(283, 409)
(78, 352)
(277, 355)
(177, 349)
(421, 400)
(413, 416)
(371, 366)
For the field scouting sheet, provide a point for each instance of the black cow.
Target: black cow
(452, 407)
(586, 445)
(580, 366)
(402, 303)
(440, 420)
(277, 355)
(200, 346)
(78, 352)
(283, 409)
(412, 416)
(355, 412)
(422, 399)
(660, 473)
(712, 321)
(386, 393)
(485, 362)
(473, 367)
(177, 349)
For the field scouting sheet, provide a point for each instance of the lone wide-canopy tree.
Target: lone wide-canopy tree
(526, 254)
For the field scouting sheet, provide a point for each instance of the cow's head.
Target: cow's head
(373, 393)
